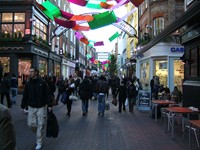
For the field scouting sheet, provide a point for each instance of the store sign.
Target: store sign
(12, 48)
(177, 49)
(144, 100)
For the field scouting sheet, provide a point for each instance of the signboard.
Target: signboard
(144, 98)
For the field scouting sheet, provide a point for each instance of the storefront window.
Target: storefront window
(161, 71)
(7, 17)
(178, 73)
(23, 71)
(144, 74)
(5, 62)
(42, 68)
(57, 70)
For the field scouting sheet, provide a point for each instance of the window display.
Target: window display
(178, 74)
(23, 71)
(5, 61)
(144, 74)
(161, 71)
(43, 67)
(57, 70)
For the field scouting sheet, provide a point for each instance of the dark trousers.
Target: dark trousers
(7, 97)
(69, 106)
(122, 104)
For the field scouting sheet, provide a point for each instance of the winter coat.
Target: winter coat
(13, 82)
(122, 92)
(7, 132)
(36, 94)
(85, 89)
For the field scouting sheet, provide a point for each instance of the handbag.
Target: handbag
(52, 129)
(126, 102)
(64, 98)
(114, 102)
(73, 98)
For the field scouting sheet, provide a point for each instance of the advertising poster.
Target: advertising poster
(144, 98)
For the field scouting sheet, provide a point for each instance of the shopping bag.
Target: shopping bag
(107, 107)
(73, 98)
(64, 98)
(126, 102)
(52, 129)
(114, 102)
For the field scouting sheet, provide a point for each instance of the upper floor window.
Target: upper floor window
(12, 25)
(40, 29)
(158, 25)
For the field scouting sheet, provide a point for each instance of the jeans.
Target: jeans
(85, 105)
(14, 92)
(101, 103)
(36, 122)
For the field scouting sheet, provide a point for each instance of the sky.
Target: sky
(100, 34)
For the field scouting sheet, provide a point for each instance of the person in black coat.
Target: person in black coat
(121, 92)
(5, 90)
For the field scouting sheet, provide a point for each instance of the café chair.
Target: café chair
(187, 127)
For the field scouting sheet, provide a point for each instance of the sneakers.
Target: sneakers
(38, 147)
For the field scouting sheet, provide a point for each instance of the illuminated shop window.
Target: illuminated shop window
(178, 73)
(144, 74)
(5, 62)
(42, 68)
(12, 25)
(161, 70)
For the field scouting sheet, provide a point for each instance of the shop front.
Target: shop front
(64, 68)
(54, 64)
(70, 68)
(162, 60)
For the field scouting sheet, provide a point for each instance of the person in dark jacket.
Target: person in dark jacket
(85, 91)
(102, 87)
(5, 89)
(131, 95)
(36, 95)
(7, 132)
(14, 88)
(122, 96)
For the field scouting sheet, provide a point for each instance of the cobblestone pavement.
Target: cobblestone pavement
(114, 131)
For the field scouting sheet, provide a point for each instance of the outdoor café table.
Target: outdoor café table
(193, 123)
(160, 102)
(178, 110)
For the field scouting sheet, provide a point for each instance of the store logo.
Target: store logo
(177, 49)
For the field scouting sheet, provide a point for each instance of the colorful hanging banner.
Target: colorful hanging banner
(126, 27)
(93, 5)
(82, 17)
(99, 43)
(64, 23)
(78, 35)
(114, 36)
(79, 2)
(84, 40)
(106, 5)
(136, 2)
(51, 10)
(66, 15)
(102, 19)
(81, 28)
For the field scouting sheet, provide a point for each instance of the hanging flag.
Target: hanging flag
(78, 2)
(65, 23)
(99, 43)
(136, 2)
(102, 19)
(51, 10)
(114, 36)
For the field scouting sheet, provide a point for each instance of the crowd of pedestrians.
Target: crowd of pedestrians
(39, 96)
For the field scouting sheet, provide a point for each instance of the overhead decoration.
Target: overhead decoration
(79, 2)
(51, 10)
(81, 17)
(81, 28)
(99, 43)
(126, 27)
(84, 40)
(102, 19)
(114, 36)
(78, 35)
(93, 5)
(106, 5)
(118, 4)
(66, 14)
(136, 2)
(91, 43)
(65, 23)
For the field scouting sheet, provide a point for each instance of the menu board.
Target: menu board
(144, 98)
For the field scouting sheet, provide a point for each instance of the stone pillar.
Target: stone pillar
(35, 61)
(14, 64)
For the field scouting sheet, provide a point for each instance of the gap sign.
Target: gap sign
(177, 49)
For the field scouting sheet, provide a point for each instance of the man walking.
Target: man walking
(36, 96)
(102, 87)
(85, 90)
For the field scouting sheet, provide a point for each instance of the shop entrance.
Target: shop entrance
(23, 72)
